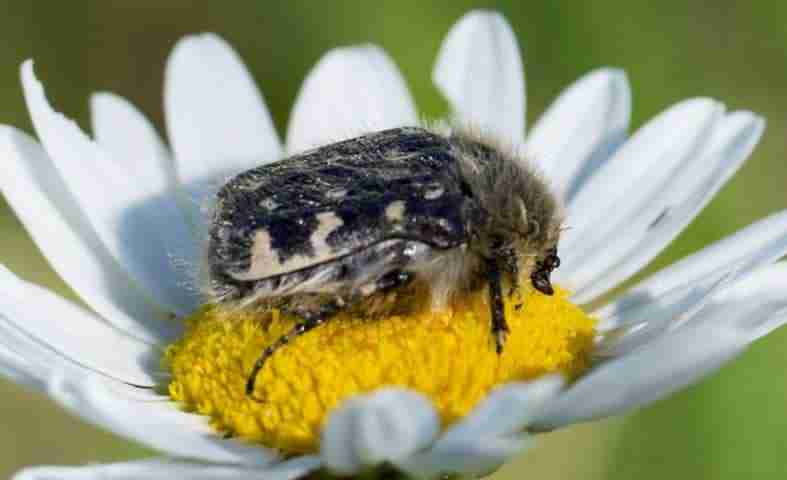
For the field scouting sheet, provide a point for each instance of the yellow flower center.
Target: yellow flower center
(447, 355)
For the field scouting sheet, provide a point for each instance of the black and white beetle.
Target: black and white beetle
(320, 231)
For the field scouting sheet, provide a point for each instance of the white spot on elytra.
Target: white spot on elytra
(265, 262)
(263, 258)
(327, 222)
(434, 193)
(368, 289)
(394, 212)
(336, 193)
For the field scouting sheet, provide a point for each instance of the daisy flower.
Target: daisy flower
(119, 218)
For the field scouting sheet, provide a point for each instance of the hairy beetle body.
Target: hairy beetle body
(323, 230)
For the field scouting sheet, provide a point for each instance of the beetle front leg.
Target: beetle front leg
(499, 325)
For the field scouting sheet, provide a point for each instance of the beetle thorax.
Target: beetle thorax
(511, 206)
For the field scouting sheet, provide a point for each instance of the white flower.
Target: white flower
(112, 214)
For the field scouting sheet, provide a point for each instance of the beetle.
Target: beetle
(325, 229)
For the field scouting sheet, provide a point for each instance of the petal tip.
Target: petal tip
(756, 125)
(703, 103)
(479, 71)
(616, 76)
(102, 101)
(100, 97)
(481, 15)
(191, 48)
(754, 121)
(202, 40)
(613, 79)
(28, 76)
(27, 66)
(356, 52)
(387, 425)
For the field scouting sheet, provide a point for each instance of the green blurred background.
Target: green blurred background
(729, 426)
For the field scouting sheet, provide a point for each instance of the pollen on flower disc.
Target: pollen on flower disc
(448, 356)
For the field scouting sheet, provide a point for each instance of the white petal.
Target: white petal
(479, 70)
(657, 220)
(351, 91)
(74, 333)
(506, 411)
(133, 226)
(167, 469)
(32, 186)
(471, 459)
(643, 376)
(385, 426)
(490, 435)
(293, 468)
(217, 120)
(758, 244)
(25, 358)
(755, 307)
(159, 424)
(18, 369)
(132, 140)
(125, 133)
(39, 360)
(581, 128)
(636, 171)
(128, 136)
(627, 327)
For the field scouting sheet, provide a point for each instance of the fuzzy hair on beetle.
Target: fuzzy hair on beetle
(348, 223)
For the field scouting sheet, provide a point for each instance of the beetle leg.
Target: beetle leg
(314, 318)
(311, 320)
(499, 325)
(512, 265)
